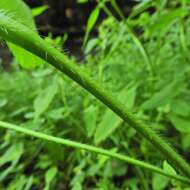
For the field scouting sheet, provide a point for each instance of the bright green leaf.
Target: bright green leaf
(21, 12)
(159, 182)
(182, 124)
(110, 120)
(166, 19)
(49, 176)
(39, 10)
(44, 99)
(168, 168)
(91, 22)
(162, 97)
(82, 1)
(90, 119)
(93, 19)
(180, 107)
(13, 153)
(18, 183)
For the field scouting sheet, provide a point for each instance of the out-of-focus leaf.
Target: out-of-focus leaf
(18, 183)
(77, 181)
(90, 119)
(49, 176)
(182, 124)
(91, 45)
(82, 1)
(186, 141)
(180, 107)
(140, 8)
(187, 1)
(29, 183)
(162, 97)
(26, 59)
(39, 10)
(56, 114)
(43, 100)
(110, 120)
(3, 102)
(108, 124)
(168, 18)
(159, 182)
(92, 19)
(91, 22)
(168, 168)
(13, 153)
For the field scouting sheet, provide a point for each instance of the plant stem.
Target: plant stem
(94, 149)
(20, 35)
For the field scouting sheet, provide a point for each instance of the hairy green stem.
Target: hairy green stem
(20, 35)
(94, 149)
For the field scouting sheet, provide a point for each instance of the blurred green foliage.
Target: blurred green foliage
(143, 59)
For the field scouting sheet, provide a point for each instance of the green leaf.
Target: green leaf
(90, 119)
(13, 153)
(180, 107)
(91, 22)
(26, 59)
(168, 168)
(167, 18)
(92, 19)
(182, 124)
(77, 181)
(91, 45)
(140, 7)
(128, 97)
(82, 1)
(44, 99)
(39, 10)
(110, 120)
(108, 124)
(187, 1)
(162, 97)
(159, 182)
(29, 183)
(49, 176)
(21, 12)
(186, 141)
(56, 114)
(18, 183)
(3, 102)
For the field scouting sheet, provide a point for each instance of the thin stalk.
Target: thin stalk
(93, 149)
(20, 35)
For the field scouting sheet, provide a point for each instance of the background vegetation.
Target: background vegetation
(143, 59)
